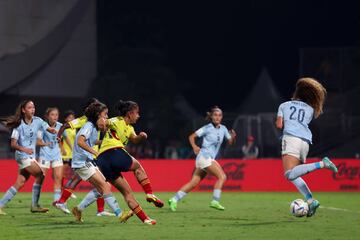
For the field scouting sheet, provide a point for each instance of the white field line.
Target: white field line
(340, 209)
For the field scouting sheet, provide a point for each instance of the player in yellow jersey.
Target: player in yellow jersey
(75, 179)
(114, 159)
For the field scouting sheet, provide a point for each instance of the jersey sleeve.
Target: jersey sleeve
(201, 132)
(112, 123)
(40, 134)
(281, 111)
(44, 124)
(85, 131)
(78, 122)
(15, 134)
(226, 133)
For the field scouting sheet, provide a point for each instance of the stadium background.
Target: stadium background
(177, 60)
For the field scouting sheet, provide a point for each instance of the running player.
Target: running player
(82, 162)
(293, 118)
(114, 159)
(24, 127)
(213, 135)
(50, 155)
(75, 179)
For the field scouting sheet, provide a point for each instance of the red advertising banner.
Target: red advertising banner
(242, 175)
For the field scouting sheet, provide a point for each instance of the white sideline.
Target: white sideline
(339, 209)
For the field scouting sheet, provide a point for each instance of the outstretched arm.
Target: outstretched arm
(62, 129)
(195, 147)
(138, 138)
(231, 141)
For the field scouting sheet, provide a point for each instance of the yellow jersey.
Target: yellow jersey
(78, 123)
(69, 134)
(117, 135)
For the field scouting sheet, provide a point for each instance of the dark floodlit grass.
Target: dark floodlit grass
(247, 216)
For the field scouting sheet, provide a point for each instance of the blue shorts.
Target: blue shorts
(114, 161)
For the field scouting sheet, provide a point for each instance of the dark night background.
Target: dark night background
(220, 48)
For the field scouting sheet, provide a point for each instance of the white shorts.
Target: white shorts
(86, 171)
(52, 164)
(202, 162)
(26, 162)
(295, 147)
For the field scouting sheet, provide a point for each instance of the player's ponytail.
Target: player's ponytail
(123, 107)
(14, 121)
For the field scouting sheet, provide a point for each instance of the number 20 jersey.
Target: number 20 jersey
(296, 118)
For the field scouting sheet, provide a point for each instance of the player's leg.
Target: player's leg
(198, 175)
(58, 172)
(69, 188)
(21, 179)
(102, 189)
(144, 181)
(35, 170)
(216, 170)
(122, 185)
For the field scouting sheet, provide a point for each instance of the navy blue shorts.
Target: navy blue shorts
(114, 161)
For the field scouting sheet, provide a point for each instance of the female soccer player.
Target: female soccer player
(213, 135)
(82, 162)
(75, 179)
(50, 155)
(293, 118)
(114, 159)
(24, 127)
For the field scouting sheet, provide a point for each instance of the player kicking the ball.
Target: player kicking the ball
(293, 118)
(213, 135)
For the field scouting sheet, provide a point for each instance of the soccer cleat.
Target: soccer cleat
(2, 211)
(313, 206)
(77, 214)
(38, 209)
(150, 221)
(125, 216)
(62, 207)
(329, 164)
(105, 214)
(152, 198)
(215, 204)
(172, 204)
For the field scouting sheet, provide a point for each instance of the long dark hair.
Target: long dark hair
(88, 103)
(123, 107)
(14, 121)
(211, 111)
(93, 111)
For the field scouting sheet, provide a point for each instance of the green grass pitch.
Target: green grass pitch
(247, 216)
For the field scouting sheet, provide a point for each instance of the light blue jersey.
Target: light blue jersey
(26, 136)
(296, 117)
(51, 152)
(80, 156)
(212, 140)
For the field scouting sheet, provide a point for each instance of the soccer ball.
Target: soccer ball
(299, 208)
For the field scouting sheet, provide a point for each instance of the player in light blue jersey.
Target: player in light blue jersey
(293, 118)
(213, 135)
(50, 154)
(83, 163)
(24, 127)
